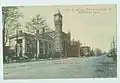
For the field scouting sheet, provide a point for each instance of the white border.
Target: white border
(62, 2)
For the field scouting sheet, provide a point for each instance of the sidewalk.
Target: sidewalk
(22, 64)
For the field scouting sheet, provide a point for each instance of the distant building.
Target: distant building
(74, 50)
(85, 50)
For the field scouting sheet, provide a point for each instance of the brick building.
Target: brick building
(62, 39)
(74, 50)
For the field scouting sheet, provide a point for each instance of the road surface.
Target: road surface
(87, 67)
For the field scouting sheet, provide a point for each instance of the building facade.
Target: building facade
(62, 39)
(32, 45)
(46, 44)
(74, 50)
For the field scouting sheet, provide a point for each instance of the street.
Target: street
(87, 67)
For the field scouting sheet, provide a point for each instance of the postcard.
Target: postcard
(60, 41)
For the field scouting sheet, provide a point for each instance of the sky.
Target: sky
(93, 25)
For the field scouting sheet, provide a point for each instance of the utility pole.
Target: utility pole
(113, 43)
(113, 46)
(113, 50)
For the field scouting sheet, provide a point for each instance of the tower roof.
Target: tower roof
(58, 12)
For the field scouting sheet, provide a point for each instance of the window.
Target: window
(19, 41)
(41, 50)
(49, 45)
(41, 44)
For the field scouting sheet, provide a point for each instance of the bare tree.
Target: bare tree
(10, 21)
(37, 23)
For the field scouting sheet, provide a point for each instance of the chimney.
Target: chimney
(43, 29)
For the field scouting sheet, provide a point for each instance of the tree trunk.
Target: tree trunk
(3, 36)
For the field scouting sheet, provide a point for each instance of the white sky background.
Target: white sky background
(95, 30)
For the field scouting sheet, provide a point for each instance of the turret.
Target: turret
(58, 20)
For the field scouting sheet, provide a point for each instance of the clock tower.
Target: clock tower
(58, 32)
(58, 20)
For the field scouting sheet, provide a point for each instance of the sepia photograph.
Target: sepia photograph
(59, 41)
